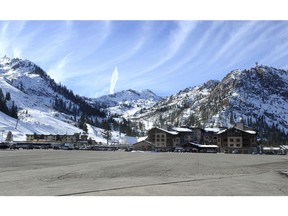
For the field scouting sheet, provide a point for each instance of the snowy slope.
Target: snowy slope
(34, 100)
(177, 109)
(35, 95)
(128, 102)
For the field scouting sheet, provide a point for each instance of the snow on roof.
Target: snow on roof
(204, 146)
(178, 129)
(142, 138)
(271, 148)
(250, 131)
(166, 131)
(222, 131)
(215, 130)
(246, 131)
(150, 143)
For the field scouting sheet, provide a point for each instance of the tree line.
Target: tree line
(8, 106)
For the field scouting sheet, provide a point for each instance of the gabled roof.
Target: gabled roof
(215, 130)
(179, 129)
(150, 143)
(166, 131)
(245, 131)
(203, 146)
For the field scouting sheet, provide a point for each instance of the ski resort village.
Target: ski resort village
(224, 136)
(230, 116)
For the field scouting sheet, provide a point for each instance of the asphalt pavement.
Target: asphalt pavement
(119, 173)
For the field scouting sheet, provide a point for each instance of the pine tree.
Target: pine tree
(14, 111)
(82, 123)
(9, 137)
(106, 133)
(8, 96)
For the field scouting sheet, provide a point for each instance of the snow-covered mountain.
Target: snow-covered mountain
(127, 102)
(44, 107)
(258, 97)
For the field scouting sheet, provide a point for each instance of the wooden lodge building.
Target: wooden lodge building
(168, 140)
(238, 139)
(143, 145)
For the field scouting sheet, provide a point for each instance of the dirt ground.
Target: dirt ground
(94, 173)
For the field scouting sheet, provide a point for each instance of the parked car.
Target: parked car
(179, 149)
(236, 152)
(128, 149)
(211, 151)
(3, 146)
(13, 147)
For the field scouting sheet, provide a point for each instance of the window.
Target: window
(163, 135)
(231, 140)
(237, 140)
(238, 145)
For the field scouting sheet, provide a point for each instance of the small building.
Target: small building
(196, 147)
(271, 150)
(65, 138)
(143, 145)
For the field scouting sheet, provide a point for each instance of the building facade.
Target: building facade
(168, 140)
(238, 139)
(56, 138)
(143, 146)
(163, 139)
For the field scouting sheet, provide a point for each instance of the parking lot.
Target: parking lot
(118, 173)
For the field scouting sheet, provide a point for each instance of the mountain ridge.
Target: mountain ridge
(257, 96)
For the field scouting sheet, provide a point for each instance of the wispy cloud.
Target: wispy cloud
(58, 72)
(53, 45)
(8, 34)
(96, 37)
(234, 39)
(176, 39)
(144, 34)
(277, 50)
(196, 48)
(82, 54)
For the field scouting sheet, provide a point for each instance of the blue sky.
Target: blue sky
(163, 56)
